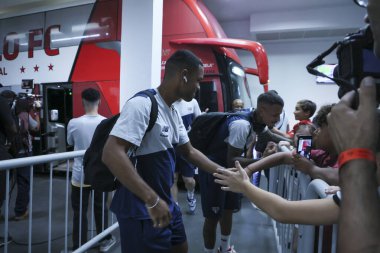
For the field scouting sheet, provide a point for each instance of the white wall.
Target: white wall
(288, 75)
(288, 59)
(308, 19)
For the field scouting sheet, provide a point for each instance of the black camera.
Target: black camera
(356, 60)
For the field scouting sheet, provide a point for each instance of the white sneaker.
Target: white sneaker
(192, 203)
(106, 244)
(230, 250)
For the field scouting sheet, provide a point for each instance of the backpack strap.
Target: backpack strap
(258, 128)
(154, 109)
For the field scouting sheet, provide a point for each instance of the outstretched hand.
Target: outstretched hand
(235, 179)
(359, 128)
(270, 149)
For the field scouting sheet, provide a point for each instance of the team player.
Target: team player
(149, 220)
(188, 111)
(231, 141)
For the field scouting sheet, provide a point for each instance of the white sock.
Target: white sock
(225, 242)
(190, 194)
(209, 250)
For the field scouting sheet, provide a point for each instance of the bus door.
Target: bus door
(209, 96)
(57, 112)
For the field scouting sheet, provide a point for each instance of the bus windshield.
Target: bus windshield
(239, 87)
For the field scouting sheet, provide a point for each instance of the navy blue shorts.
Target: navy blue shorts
(214, 199)
(140, 235)
(184, 168)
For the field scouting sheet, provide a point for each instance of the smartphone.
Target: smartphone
(304, 146)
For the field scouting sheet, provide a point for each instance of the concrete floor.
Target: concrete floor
(252, 229)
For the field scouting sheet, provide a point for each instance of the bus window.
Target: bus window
(207, 96)
(238, 85)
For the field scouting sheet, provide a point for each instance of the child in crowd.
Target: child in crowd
(303, 111)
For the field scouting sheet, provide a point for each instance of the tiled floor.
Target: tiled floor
(252, 230)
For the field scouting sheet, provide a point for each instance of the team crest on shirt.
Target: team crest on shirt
(165, 131)
(215, 209)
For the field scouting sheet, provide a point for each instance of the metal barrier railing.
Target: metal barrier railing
(291, 184)
(284, 180)
(7, 165)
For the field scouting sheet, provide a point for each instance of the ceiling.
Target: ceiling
(232, 9)
(280, 19)
(241, 9)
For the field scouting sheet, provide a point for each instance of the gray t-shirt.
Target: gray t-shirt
(79, 133)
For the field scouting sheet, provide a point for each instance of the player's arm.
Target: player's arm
(235, 154)
(197, 158)
(117, 160)
(239, 131)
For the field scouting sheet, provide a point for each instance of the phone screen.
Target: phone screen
(304, 146)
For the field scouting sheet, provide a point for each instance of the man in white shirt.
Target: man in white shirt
(79, 134)
(188, 112)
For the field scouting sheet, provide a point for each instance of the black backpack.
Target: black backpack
(96, 173)
(205, 127)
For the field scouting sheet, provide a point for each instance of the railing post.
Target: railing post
(30, 209)
(50, 204)
(6, 213)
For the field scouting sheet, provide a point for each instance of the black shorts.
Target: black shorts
(214, 199)
(140, 235)
(184, 168)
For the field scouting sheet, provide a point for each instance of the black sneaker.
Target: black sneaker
(23, 216)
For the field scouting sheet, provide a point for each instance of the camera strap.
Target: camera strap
(320, 60)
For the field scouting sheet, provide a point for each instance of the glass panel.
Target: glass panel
(15, 28)
(73, 23)
(207, 97)
(238, 86)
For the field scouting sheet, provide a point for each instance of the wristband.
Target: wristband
(355, 153)
(154, 205)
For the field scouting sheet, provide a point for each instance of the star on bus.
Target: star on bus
(36, 68)
(51, 67)
(22, 69)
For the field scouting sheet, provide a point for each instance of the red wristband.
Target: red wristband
(355, 153)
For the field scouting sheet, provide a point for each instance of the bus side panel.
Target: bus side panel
(109, 96)
(97, 62)
(179, 19)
